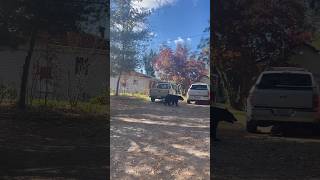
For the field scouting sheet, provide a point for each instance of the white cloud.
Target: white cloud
(188, 39)
(168, 42)
(179, 41)
(152, 4)
(153, 34)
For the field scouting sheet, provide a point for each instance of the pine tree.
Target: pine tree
(127, 30)
(148, 61)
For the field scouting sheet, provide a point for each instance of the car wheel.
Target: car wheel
(251, 126)
(188, 101)
(152, 99)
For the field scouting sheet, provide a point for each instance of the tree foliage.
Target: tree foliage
(148, 62)
(179, 66)
(251, 35)
(204, 47)
(128, 29)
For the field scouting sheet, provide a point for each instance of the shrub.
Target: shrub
(7, 93)
(11, 93)
(98, 100)
(101, 100)
(3, 92)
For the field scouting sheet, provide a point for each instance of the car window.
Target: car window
(284, 80)
(163, 86)
(199, 87)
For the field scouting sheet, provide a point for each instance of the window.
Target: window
(199, 87)
(82, 66)
(163, 86)
(284, 80)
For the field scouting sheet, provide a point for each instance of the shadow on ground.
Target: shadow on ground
(292, 155)
(152, 141)
(53, 144)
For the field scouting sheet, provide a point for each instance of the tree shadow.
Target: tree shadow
(47, 144)
(262, 156)
(153, 141)
(305, 131)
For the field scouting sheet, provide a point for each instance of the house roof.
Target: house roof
(134, 73)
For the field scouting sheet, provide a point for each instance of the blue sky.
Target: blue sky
(175, 21)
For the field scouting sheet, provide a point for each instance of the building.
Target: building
(133, 82)
(62, 67)
(308, 57)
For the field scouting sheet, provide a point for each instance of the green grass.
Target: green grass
(316, 42)
(139, 96)
(85, 107)
(240, 115)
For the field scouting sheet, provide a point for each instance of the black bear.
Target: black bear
(171, 99)
(217, 115)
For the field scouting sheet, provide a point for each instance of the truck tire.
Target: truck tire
(153, 99)
(188, 101)
(251, 126)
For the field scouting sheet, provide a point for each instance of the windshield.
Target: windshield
(163, 86)
(285, 80)
(199, 87)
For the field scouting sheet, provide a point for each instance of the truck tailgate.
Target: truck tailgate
(198, 92)
(278, 98)
(158, 92)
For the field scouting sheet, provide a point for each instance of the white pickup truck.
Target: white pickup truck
(283, 95)
(161, 90)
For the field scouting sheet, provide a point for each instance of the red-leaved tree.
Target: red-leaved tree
(178, 66)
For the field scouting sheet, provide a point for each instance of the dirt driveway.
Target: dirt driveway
(153, 141)
(46, 145)
(241, 155)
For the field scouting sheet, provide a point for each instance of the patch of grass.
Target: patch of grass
(50, 103)
(85, 107)
(316, 42)
(139, 96)
(240, 115)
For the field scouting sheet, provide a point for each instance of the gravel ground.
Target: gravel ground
(153, 141)
(240, 155)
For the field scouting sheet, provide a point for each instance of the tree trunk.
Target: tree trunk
(25, 73)
(46, 93)
(118, 82)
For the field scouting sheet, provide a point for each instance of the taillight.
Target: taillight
(316, 102)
